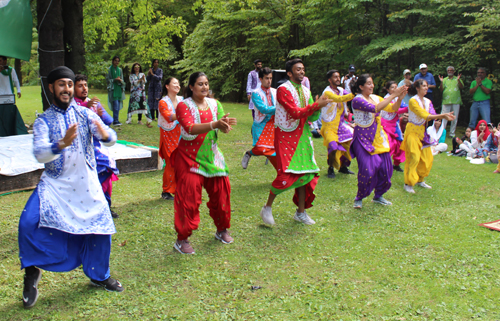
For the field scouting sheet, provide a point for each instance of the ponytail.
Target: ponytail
(361, 81)
(412, 90)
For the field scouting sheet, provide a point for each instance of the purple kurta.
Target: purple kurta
(253, 82)
(375, 171)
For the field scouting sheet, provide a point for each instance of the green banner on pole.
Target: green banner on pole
(16, 24)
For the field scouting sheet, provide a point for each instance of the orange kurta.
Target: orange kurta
(169, 139)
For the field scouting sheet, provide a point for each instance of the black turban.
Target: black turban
(59, 73)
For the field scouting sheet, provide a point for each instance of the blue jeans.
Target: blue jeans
(116, 111)
(479, 107)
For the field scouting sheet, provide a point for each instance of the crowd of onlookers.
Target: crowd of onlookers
(138, 103)
(479, 144)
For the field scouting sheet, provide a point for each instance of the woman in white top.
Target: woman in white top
(437, 132)
(479, 136)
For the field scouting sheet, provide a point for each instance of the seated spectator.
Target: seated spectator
(496, 133)
(479, 137)
(315, 128)
(462, 146)
(437, 132)
(492, 141)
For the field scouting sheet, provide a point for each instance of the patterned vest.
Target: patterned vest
(259, 117)
(412, 117)
(282, 119)
(57, 129)
(193, 108)
(162, 122)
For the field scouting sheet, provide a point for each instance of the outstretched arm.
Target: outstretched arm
(286, 100)
(338, 98)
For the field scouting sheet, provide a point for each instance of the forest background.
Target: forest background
(223, 38)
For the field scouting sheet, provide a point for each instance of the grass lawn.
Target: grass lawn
(425, 257)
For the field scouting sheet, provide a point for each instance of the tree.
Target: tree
(74, 43)
(51, 44)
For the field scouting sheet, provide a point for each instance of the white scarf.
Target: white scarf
(435, 135)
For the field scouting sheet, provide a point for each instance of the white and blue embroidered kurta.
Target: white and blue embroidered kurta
(71, 197)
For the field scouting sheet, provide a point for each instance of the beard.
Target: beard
(61, 104)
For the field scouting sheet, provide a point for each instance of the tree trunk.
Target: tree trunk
(50, 42)
(74, 44)
(17, 67)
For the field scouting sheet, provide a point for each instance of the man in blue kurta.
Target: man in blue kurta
(66, 222)
(429, 78)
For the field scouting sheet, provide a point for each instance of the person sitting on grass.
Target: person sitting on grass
(492, 140)
(479, 138)
(496, 133)
(464, 146)
(437, 132)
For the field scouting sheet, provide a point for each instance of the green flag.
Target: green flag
(16, 23)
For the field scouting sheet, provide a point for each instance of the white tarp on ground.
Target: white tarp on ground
(16, 154)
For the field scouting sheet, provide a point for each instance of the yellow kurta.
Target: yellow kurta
(330, 130)
(418, 160)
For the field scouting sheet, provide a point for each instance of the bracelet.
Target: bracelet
(211, 125)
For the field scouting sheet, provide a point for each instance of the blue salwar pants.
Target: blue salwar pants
(57, 251)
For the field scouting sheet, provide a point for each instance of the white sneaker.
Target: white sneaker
(245, 160)
(267, 215)
(424, 185)
(409, 189)
(303, 218)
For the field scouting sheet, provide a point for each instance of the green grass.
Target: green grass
(425, 257)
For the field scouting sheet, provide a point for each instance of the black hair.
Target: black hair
(192, 80)
(257, 61)
(153, 62)
(3, 57)
(133, 66)
(115, 57)
(330, 73)
(361, 81)
(412, 90)
(388, 85)
(290, 63)
(454, 144)
(265, 71)
(164, 91)
(81, 77)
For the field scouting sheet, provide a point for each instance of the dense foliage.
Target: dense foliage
(222, 38)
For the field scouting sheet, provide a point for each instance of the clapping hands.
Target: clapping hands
(225, 123)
